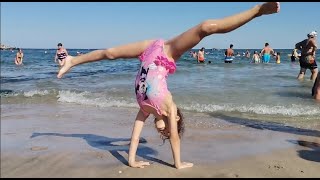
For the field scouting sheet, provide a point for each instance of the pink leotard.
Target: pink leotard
(151, 81)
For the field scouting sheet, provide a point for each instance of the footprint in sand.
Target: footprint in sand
(38, 148)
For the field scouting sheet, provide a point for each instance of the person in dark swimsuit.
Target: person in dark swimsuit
(308, 48)
(61, 54)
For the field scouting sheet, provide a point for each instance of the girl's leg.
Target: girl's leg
(187, 40)
(132, 50)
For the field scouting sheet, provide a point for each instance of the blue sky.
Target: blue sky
(108, 24)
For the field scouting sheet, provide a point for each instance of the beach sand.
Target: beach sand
(59, 140)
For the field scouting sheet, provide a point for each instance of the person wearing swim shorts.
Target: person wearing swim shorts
(308, 48)
(229, 54)
(266, 53)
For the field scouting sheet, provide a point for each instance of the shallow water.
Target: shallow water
(260, 92)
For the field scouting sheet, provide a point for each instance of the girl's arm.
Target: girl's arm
(138, 125)
(175, 140)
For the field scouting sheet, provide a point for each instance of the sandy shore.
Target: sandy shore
(78, 141)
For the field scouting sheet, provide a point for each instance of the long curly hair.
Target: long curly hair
(181, 126)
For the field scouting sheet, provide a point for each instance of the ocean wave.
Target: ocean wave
(87, 98)
(292, 110)
(31, 93)
(103, 99)
(36, 92)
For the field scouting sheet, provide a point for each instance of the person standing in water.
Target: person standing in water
(201, 55)
(308, 48)
(256, 57)
(294, 55)
(229, 54)
(61, 54)
(248, 54)
(194, 55)
(266, 53)
(19, 57)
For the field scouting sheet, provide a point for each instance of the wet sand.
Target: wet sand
(58, 140)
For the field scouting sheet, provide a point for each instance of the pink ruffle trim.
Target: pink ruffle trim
(163, 61)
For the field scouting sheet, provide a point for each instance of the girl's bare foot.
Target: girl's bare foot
(184, 165)
(66, 66)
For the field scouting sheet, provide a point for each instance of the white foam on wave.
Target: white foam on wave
(28, 94)
(292, 110)
(36, 92)
(86, 98)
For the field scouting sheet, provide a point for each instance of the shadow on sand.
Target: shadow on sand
(310, 155)
(273, 126)
(113, 145)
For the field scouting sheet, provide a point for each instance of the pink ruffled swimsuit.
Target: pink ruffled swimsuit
(151, 81)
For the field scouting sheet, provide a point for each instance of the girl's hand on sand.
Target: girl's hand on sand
(139, 164)
(184, 165)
